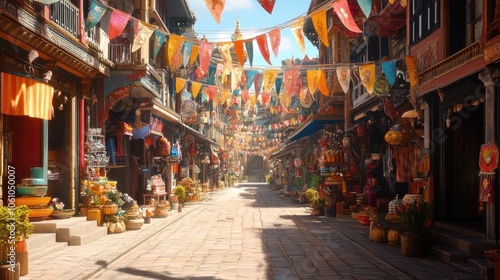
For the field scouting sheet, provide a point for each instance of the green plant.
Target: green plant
(180, 193)
(415, 217)
(314, 181)
(14, 225)
(298, 182)
(116, 197)
(312, 197)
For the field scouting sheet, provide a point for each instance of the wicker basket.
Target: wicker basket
(109, 209)
(160, 213)
(134, 224)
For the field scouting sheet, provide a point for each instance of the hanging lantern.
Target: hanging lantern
(199, 73)
(396, 136)
(297, 162)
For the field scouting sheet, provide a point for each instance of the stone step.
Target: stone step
(448, 254)
(38, 240)
(50, 226)
(87, 237)
(41, 244)
(486, 268)
(65, 232)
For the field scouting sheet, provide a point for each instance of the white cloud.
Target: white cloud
(233, 5)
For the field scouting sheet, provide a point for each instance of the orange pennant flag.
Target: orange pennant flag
(321, 27)
(367, 75)
(412, 66)
(215, 7)
(195, 88)
(264, 50)
(174, 48)
(321, 82)
(298, 33)
(269, 79)
(275, 39)
(240, 51)
(311, 80)
(194, 53)
(180, 83)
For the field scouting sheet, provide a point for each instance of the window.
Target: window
(424, 18)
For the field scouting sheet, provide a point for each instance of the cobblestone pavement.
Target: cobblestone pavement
(246, 232)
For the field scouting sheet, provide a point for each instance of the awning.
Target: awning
(313, 124)
(198, 135)
(23, 96)
(165, 113)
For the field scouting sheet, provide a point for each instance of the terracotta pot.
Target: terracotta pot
(413, 245)
(7, 274)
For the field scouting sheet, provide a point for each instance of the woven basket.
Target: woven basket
(109, 209)
(134, 224)
(160, 213)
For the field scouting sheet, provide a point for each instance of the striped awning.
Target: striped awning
(23, 96)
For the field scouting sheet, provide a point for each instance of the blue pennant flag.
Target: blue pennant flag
(96, 11)
(251, 74)
(389, 68)
(159, 40)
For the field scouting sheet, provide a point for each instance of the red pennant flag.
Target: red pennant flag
(264, 50)
(212, 90)
(265, 98)
(245, 94)
(205, 54)
(275, 39)
(289, 77)
(215, 7)
(341, 8)
(117, 23)
(268, 5)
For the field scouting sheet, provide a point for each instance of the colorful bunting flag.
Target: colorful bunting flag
(258, 82)
(117, 23)
(186, 53)
(212, 91)
(264, 50)
(277, 84)
(311, 80)
(174, 47)
(275, 39)
(245, 94)
(225, 52)
(236, 74)
(180, 83)
(412, 66)
(250, 74)
(96, 11)
(297, 30)
(367, 75)
(142, 32)
(265, 96)
(268, 5)
(159, 40)
(195, 49)
(269, 79)
(240, 51)
(195, 88)
(366, 7)
(289, 77)
(206, 50)
(341, 8)
(321, 27)
(249, 48)
(321, 82)
(344, 77)
(306, 99)
(389, 68)
(215, 7)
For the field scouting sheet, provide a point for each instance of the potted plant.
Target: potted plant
(415, 222)
(15, 227)
(180, 193)
(330, 201)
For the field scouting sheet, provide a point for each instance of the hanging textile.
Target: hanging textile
(275, 39)
(180, 83)
(205, 54)
(117, 23)
(249, 48)
(366, 7)
(488, 163)
(264, 50)
(23, 96)
(389, 69)
(311, 80)
(194, 53)
(174, 48)
(195, 88)
(269, 79)
(321, 82)
(250, 74)
(265, 98)
(186, 53)
(244, 95)
(306, 99)
(268, 5)
(240, 51)
(159, 40)
(321, 26)
(225, 52)
(367, 75)
(297, 31)
(215, 7)
(289, 77)
(412, 66)
(277, 84)
(341, 8)
(142, 33)
(236, 74)
(344, 77)
(96, 11)
(258, 82)
(212, 91)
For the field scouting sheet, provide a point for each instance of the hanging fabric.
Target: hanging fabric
(488, 163)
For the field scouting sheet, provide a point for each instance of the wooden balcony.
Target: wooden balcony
(66, 15)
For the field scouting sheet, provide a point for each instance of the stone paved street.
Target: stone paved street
(246, 232)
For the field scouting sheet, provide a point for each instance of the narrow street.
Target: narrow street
(249, 232)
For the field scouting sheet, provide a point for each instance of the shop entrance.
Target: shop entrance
(464, 132)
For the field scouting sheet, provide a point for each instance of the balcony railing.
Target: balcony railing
(66, 15)
(451, 63)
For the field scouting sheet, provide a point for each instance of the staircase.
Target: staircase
(463, 248)
(54, 235)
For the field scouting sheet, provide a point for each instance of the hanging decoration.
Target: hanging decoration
(344, 77)
(367, 74)
(412, 66)
(264, 50)
(159, 40)
(225, 52)
(269, 79)
(240, 51)
(381, 87)
(174, 48)
(297, 31)
(215, 7)
(195, 88)
(341, 8)
(268, 5)
(389, 69)
(142, 33)
(236, 74)
(306, 99)
(249, 48)
(96, 11)
(180, 83)
(312, 80)
(289, 77)
(277, 84)
(321, 82)
(275, 39)
(117, 23)
(488, 163)
(186, 53)
(194, 54)
(321, 26)
(206, 50)
(366, 7)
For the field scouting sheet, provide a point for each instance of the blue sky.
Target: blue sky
(254, 21)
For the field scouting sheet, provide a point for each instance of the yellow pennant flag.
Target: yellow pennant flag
(179, 84)
(321, 27)
(224, 95)
(195, 88)
(194, 54)
(321, 82)
(269, 79)
(142, 34)
(174, 48)
(236, 74)
(412, 66)
(311, 80)
(298, 33)
(216, 100)
(367, 75)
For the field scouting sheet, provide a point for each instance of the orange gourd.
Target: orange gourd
(393, 237)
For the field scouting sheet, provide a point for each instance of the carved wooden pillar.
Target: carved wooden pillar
(489, 136)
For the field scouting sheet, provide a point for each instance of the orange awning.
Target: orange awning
(23, 96)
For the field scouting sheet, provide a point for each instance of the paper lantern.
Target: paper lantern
(297, 162)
